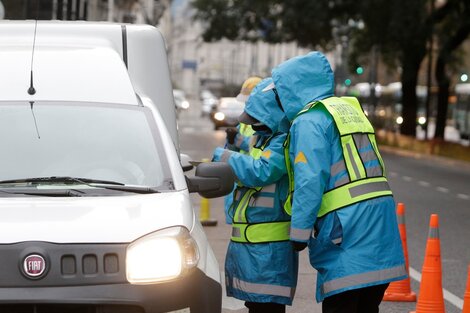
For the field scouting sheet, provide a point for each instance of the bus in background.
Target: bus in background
(462, 110)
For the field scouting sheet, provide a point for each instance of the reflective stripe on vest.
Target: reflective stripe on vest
(245, 232)
(354, 192)
(245, 130)
(263, 289)
(262, 232)
(290, 174)
(363, 278)
(362, 162)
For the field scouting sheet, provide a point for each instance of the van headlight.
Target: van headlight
(161, 256)
(219, 116)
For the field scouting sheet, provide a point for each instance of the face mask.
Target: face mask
(260, 128)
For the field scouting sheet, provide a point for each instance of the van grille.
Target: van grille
(67, 264)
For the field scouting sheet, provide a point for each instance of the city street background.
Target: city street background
(424, 184)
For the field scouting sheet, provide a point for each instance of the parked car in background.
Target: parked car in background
(208, 102)
(227, 112)
(181, 103)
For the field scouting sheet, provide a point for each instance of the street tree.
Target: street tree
(451, 32)
(397, 30)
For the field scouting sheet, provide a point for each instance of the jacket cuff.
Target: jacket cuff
(221, 155)
(301, 235)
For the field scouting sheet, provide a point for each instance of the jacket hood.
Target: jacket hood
(263, 106)
(301, 80)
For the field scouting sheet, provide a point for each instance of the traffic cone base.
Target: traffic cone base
(209, 222)
(399, 297)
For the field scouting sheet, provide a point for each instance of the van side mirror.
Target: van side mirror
(212, 180)
(185, 162)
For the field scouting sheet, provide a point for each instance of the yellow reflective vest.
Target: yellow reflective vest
(355, 131)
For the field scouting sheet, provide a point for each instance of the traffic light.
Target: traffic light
(347, 82)
(359, 70)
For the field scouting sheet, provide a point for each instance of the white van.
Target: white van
(95, 212)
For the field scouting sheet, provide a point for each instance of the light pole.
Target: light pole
(2, 11)
(429, 75)
(110, 10)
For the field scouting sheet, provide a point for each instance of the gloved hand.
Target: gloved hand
(298, 245)
(231, 134)
(217, 154)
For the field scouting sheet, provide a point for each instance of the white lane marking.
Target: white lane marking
(442, 189)
(424, 183)
(229, 302)
(449, 296)
(462, 196)
(407, 178)
(393, 174)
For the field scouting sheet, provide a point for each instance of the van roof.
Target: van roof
(87, 62)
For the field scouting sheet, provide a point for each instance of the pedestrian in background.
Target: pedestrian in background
(240, 138)
(261, 265)
(342, 206)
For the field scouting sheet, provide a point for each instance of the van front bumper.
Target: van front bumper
(196, 291)
(91, 278)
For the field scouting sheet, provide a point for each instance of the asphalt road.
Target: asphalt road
(424, 184)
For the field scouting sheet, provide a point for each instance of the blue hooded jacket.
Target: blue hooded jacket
(262, 272)
(355, 246)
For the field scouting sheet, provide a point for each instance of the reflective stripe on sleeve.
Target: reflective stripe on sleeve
(364, 278)
(225, 156)
(263, 289)
(301, 234)
(337, 241)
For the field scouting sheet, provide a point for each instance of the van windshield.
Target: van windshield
(115, 143)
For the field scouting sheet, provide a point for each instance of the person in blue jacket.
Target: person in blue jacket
(240, 138)
(341, 204)
(261, 265)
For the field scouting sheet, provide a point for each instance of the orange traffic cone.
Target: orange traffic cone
(466, 296)
(431, 298)
(401, 290)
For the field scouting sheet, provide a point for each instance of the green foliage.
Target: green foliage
(398, 30)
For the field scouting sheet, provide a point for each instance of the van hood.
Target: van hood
(92, 220)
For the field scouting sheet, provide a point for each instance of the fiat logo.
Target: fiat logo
(34, 265)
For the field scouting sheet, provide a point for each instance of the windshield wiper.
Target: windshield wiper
(95, 183)
(60, 179)
(135, 189)
(53, 193)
